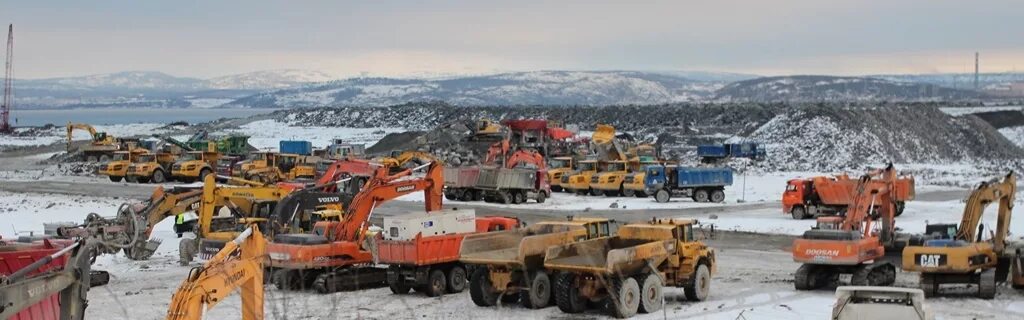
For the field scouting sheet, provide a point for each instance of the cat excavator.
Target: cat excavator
(335, 255)
(238, 266)
(958, 254)
(852, 244)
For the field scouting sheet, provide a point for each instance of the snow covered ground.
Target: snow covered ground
(266, 134)
(1014, 134)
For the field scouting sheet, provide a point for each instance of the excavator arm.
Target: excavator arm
(71, 127)
(526, 157)
(383, 187)
(986, 193)
(223, 274)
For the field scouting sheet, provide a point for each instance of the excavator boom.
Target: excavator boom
(385, 187)
(223, 274)
(987, 193)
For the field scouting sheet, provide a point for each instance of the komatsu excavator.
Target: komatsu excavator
(958, 254)
(854, 244)
(238, 266)
(335, 255)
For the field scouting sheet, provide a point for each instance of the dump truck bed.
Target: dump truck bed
(461, 177)
(495, 178)
(15, 256)
(612, 255)
(420, 251)
(513, 248)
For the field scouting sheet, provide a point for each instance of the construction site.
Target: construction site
(429, 198)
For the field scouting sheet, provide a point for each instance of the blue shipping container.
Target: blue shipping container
(296, 147)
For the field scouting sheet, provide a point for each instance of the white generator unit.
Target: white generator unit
(441, 222)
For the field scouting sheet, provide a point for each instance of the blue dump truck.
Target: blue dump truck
(700, 184)
(714, 153)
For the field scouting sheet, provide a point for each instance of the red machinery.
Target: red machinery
(335, 256)
(14, 256)
(822, 196)
(429, 263)
(854, 244)
(358, 169)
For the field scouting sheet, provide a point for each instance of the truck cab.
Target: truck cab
(557, 168)
(117, 168)
(633, 183)
(609, 181)
(195, 165)
(579, 181)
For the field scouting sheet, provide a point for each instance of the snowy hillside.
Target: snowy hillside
(269, 79)
(125, 80)
(521, 88)
(828, 88)
(957, 80)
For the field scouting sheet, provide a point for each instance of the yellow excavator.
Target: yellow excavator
(399, 161)
(959, 254)
(238, 266)
(101, 146)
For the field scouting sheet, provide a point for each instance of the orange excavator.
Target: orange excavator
(336, 255)
(521, 157)
(854, 243)
(358, 170)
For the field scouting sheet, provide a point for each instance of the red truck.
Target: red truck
(818, 196)
(17, 255)
(423, 249)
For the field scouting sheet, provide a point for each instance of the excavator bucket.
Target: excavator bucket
(604, 134)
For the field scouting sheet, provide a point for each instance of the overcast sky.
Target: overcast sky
(396, 38)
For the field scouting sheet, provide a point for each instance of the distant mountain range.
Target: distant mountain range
(302, 88)
(828, 88)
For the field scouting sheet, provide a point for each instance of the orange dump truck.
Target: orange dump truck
(823, 196)
(423, 249)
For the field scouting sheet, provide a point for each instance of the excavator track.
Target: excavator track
(348, 279)
(875, 274)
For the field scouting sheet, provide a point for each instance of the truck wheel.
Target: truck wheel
(481, 291)
(542, 196)
(900, 205)
(450, 195)
(700, 195)
(504, 197)
(556, 188)
(114, 179)
(651, 293)
(625, 299)
(398, 287)
(610, 193)
(538, 295)
(477, 195)
(628, 192)
(131, 179)
(104, 158)
(567, 295)
(203, 173)
(518, 197)
(466, 195)
(700, 286)
(158, 177)
(594, 192)
(798, 212)
(436, 283)
(662, 196)
(717, 196)
(456, 279)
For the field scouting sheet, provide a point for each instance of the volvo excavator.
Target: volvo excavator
(854, 243)
(959, 254)
(335, 255)
(238, 266)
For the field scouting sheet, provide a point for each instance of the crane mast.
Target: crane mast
(5, 107)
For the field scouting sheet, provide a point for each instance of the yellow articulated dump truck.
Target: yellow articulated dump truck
(195, 165)
(579, 181)
(155, 168)
(629, 271)
(509, 265)
(559, 167)
(117, 168)
(609, 181)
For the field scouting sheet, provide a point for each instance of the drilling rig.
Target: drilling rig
(5, 106)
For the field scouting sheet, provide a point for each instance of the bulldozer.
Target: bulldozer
(958, 254)
(510, 264)
(238, 266)
(630, 270)
(117, 168)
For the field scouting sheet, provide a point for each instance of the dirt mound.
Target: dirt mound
(826, 138)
